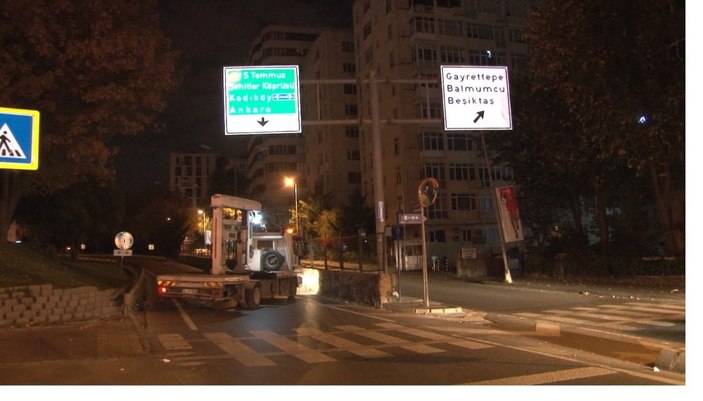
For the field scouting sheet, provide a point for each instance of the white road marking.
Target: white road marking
(295, 349)
(390, 340)
(184, 315)
(173, 342)
(549, 377)
(435, 336)
(238, 350)
(342, 344)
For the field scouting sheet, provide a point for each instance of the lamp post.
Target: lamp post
(201, 215)
(290, 182)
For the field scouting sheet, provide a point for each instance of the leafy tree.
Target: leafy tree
(355, 216)
(617, 72)
(94, 69)
(229, 181)
(89, 213)
(162, 218)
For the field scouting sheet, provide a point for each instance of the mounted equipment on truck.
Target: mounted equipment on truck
(249, 262)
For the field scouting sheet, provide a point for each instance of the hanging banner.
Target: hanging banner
(509, 214)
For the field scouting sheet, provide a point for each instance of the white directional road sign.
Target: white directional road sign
(476, 98)
(19, 139)
(412, 219)
(262, 100)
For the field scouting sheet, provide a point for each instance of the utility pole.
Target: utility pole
(378, 189)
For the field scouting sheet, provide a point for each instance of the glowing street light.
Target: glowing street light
(290, 182)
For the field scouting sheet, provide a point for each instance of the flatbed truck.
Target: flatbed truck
(249, 262)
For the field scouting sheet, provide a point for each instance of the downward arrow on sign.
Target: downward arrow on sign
(263, 122)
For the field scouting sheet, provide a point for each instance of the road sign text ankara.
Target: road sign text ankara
(262, 100)
(476, 98)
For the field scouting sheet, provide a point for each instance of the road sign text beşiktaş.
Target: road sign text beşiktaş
(476, 98)
(262, 100)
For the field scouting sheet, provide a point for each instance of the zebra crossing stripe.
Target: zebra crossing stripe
(296, 349)
(242, 353)
(341, 343)
(651, 308)
(561, 319)
(390, 340)
(590, 315)
(173, 342)
(435, 336)
(548, 377)
(677, 306)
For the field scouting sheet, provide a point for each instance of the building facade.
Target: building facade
(404, 42)
(272, 158)
(189, 175)
(329, 96)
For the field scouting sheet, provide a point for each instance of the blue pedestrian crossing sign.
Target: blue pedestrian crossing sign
(19, 139)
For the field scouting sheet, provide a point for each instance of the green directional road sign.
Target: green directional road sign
(262, 100)
(19, 139)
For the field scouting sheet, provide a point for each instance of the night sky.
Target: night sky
(211, 34)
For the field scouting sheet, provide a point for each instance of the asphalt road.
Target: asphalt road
(321, 341)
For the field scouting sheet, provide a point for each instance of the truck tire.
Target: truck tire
(252, 297)
(272, 261)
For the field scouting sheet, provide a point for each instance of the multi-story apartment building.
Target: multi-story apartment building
(410, 40)
(189, 175)
(331, 150)
(273, 157)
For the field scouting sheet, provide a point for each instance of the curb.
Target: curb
(672, 357)
(414, 305)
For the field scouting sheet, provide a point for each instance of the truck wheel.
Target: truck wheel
(252, 297)
(272, 261)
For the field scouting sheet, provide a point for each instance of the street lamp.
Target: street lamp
(290, 182)
(201, 215)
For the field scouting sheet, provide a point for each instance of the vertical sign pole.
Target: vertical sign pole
(506, 267)
(378, 189)
(425, 280)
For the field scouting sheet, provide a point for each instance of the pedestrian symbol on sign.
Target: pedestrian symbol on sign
(8, 144)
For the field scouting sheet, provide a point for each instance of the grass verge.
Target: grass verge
(21, 264)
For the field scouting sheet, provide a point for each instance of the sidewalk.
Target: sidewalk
(95, 339)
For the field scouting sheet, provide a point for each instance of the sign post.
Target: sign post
(478, 98)
(426, 194)
(262, 100)
(19, 139)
